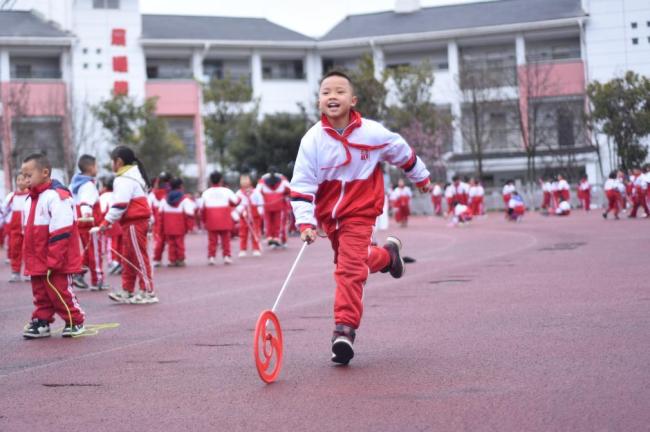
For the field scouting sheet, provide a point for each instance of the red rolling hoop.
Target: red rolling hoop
(268, 346)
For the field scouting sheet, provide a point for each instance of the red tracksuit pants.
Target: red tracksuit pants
(47, 301)
(176, 247)
(245, 231)
(135, 252)
(546, 200)
(437, 205)
(613, 201)
(272, 223)
(639, 200)
(158, 242)
(355, 258)
(16, 250)
(585, 199)
(92, 258)
(213, 242)
(477, 206)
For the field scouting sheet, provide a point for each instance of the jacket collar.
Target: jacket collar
(35, 191)
(355, 122)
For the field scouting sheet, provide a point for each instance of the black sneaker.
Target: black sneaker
(73, 330)
(79, 282)
(396, 267)
(37, 329)
(605, 215)
(342, 340)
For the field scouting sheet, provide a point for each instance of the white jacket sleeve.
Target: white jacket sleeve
(304, 184)
(122, 193)
(399, 153)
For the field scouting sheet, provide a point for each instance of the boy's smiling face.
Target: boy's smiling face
(335, 99)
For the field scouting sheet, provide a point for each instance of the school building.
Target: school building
(58, 57)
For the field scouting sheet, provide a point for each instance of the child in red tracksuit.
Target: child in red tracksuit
(338, 184)
(275, 189)
(14, 226)
(250, 209)
(218, 204)
(89, 214)
(51, 250)
(176, 219)
(400, 198)
(131, 208)
(156, 198)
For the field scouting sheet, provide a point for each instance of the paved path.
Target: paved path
(543, 325)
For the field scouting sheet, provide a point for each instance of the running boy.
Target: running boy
(338, 184)
(51, 250)
(89, 214)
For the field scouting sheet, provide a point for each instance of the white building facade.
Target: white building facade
(59, 57)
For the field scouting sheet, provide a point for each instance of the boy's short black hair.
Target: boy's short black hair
(337, 73)
(40, 159)
(455, 178)
(176, 183)
(215, 177)
(85, 162)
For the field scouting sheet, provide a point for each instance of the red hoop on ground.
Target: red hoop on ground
(268, 346)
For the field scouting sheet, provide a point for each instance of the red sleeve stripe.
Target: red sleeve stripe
(410, 164)
(297, 196)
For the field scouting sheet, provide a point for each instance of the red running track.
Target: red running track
(537, 326)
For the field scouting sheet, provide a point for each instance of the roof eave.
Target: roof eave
(449, 34)
(226, 43)
(38, 41)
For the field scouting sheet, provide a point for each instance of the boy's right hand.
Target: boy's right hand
(308, 234)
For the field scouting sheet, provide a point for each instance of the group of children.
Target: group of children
(625, 191)
(251, 213)
(337, 186)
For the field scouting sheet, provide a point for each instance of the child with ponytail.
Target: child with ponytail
(131, 209)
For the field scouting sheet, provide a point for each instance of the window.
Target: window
(550, 50)
(184, 129)
(35, 67)
(283, 69)
(99, 65)
(565, 122)
(85, 66)
(634, 25)
(85, 50)
(488, 67)
(98, 50)
(235, 69)
(168, 68)
(38, 134)
(106, 4)
(635, 41)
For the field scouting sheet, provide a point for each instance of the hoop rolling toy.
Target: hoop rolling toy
(267, 345)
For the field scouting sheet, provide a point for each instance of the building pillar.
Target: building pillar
(256, 73)
(456, 107)
(314, 69)
(4, 66)
(378, 60)
(520, 49)
(5, 118)
(197, 64)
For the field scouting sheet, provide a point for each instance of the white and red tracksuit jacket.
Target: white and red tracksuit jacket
(274, 195)
(15, 208)
(564, 189)
(218, 204)
(251, 203)
(401, 197)
(51, 236)
(86, 200)
(338, 176)
(176, 216)
(130, 203)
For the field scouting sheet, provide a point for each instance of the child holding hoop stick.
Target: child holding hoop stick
(131, 209)
(338, 184)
